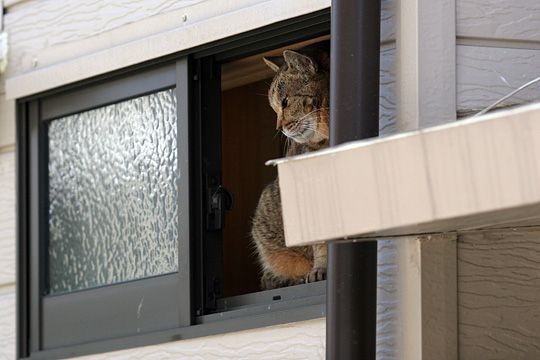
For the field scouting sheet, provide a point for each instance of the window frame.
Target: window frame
(39, 316)
(165, 304)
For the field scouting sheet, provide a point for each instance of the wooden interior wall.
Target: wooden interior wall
(249, 139)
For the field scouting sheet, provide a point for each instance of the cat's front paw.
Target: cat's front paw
(316, 274)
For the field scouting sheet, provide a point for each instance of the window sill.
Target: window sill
(298, 303)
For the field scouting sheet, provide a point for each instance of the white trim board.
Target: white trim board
(464, 175)
(427, 297)
(425, 63)
(184, 37)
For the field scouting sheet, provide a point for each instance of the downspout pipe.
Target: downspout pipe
(354, 114)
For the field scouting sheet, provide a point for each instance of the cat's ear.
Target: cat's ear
(300, 61)
(274, 62)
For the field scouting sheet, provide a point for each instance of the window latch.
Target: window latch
(219, 201)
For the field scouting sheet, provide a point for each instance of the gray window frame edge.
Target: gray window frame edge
(51, 319)
(250, 310)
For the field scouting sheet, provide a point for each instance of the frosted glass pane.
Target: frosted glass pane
(113, 193)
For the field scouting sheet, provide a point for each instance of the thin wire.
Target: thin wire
(507, 96)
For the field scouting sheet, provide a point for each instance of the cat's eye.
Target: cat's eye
(284, 102)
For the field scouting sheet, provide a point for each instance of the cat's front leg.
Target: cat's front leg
(318, 272)
(271, 281)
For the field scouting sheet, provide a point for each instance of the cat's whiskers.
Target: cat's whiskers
(316, 131)
(288, 144)
(311, 125)
(300, 121)
(312, 112)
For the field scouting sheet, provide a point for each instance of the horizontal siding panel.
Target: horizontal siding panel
(206, 22)
(41, 25)
(9, 4)
(7, 323)
(7, 121)
(49, 33)
(388, 22)
(7, 218)
(499, 294)
(485, 74)
(387, 99)
(387, 304)
(303, 340)
(502, 19)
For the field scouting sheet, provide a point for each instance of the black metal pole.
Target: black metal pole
(354, 114)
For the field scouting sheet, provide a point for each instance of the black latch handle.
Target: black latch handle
(219, 201)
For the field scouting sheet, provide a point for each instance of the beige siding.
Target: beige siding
(7, 121)
(7, 323)
(426, 63)
(43, 30)
(427, 297)
(388, 22)
(499, 294)
(387, 104)
(87, 50)
(300, 341)
(56, 31)
(387, 304)
(501, 19)
(7, 255)
(7, 218)
(485, 74)
(498, 50)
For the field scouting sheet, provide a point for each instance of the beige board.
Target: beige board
(470, 174)
(7, 219)
(499, 294)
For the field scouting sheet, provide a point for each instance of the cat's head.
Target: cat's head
(299, 94)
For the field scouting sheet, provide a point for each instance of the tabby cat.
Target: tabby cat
(299, 94)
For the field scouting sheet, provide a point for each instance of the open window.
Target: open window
(123, 229)
(249, 139)
(235, 164)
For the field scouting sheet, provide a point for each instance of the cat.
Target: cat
(299, 94)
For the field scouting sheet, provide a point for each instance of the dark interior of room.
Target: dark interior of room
(249, 139)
